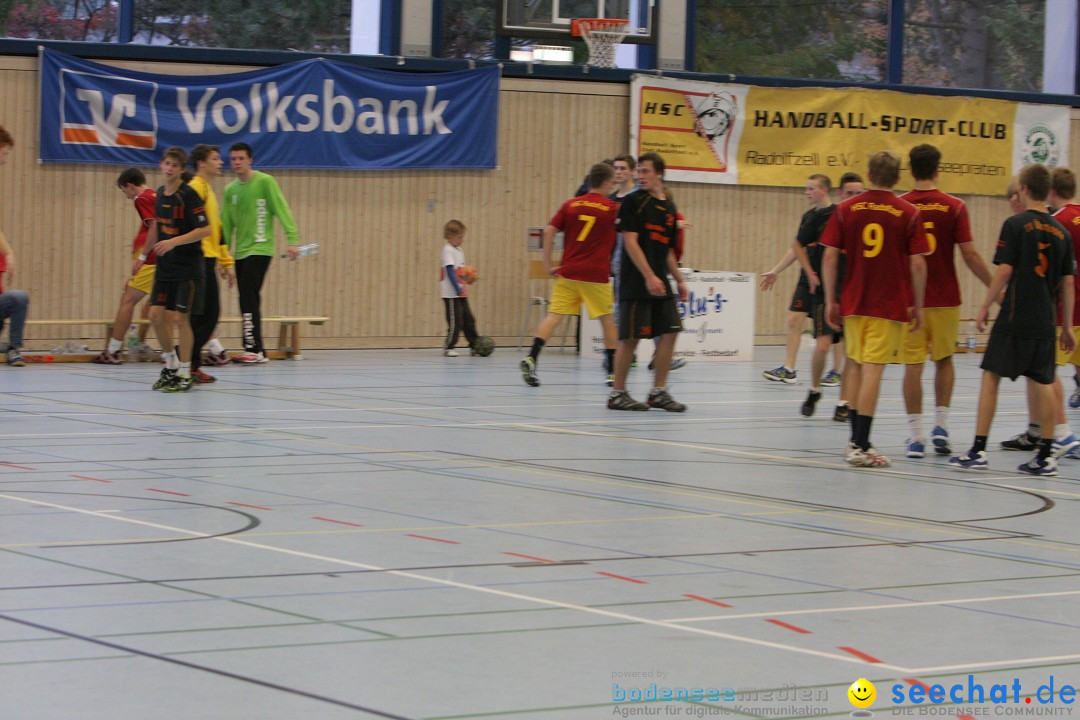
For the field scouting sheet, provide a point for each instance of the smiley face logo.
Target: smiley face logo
(862, 693)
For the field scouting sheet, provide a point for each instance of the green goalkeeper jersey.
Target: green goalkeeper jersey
(248, 210)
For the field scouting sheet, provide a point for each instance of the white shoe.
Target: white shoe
(450, 353)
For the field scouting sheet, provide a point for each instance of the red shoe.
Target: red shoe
(202, 378)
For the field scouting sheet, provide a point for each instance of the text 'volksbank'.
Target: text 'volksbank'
(267, 110)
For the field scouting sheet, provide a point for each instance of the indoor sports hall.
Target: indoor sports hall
(365, 527)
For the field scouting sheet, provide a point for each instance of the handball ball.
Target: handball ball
(467, 274)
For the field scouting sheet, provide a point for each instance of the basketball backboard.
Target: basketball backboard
(551, 18)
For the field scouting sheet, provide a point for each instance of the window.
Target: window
(89, 20)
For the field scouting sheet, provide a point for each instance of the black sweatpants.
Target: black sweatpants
(202, 325)
(459, 319)
(250, 273)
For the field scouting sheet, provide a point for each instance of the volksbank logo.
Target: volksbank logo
(123, 117)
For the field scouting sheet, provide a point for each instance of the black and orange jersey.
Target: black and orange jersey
(178, 214)
(1039, 251)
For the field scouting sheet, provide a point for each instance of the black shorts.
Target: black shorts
(648, 318)
(802, 299)
(1011, 357)
(817, 315)
(183, 296)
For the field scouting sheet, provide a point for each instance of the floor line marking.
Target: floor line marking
(240, 504)
(428, 537)
(861, 654)
(601, 612)
(623, 577)
(530, 557)
(787, 626)
(339, 522)
(707, 600)
(883, 606)
(168, 492)
(992, 663)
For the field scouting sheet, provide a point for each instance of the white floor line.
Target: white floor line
(849, 659)
(886, 606)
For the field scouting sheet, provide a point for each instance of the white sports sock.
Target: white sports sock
(941, 416)
(114, 346)
(915, 428)
(215, 346)
(1062, 431)
(184, 370)
(170, 360)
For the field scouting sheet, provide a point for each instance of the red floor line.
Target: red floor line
(83, 477)
(331, 519)
(529, 557)
(789, 626)
(168, 492)
(916, 681)
(623, 577)
(17, 467)
(965, 717)
(257, 507)
(707, 600)
(860, 654)
(425, 537)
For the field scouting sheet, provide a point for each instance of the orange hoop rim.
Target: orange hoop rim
(577, 25)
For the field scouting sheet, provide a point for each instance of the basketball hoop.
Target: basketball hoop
(602, 36)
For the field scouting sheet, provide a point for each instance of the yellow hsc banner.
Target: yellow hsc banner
(738, 134)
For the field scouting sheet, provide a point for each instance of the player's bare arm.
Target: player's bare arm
(680, 282)
(804, 260)
(829, 264)
(147, 248)
(975, 263)
(768, 279)
(196, 235)
(993, 293)
(917, 265)
(549, 249)
(1066, 294)
(653, 284)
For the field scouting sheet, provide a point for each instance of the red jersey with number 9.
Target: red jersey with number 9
(878, 233)
(588, 223)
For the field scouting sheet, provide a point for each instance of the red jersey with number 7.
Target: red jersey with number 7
(588, 224)
(945, 221)
(878, 233)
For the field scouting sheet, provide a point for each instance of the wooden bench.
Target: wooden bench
(288, 346)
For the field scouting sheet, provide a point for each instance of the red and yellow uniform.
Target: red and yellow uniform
(945, 221)
(588, 224)
(143, 281)
(1069, 217)
(878, 232)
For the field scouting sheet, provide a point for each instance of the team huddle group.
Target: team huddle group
(879, 282)
(183, 242)
(879, 275)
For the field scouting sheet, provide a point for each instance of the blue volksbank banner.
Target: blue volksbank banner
(308, 114)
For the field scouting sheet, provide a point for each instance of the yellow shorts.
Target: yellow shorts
(937, 336)
(873, 340)
(143, 281)
(568, 295)
(1062, 358)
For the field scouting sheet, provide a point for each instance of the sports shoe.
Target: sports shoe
(781, 374)
(528, 372)
(1023, 442)
(915, 449)
(220, 359)
(831, 379)
(250, 358)
(867, 458)
(108, 358)
(179, 384)
(939, 436)
(621, 400)
(1035, 466)
(15, 358)
(1074, 399)
(446, 353)
(970, 461)
(676, 363)
(202, 378)
(1064, 446)
(165, 378)
(660, 399)
(810, 403)
(842, 414)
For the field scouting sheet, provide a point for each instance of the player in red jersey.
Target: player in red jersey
(945, 221)
(588, 224)
(1063, 197)
(132, 182)
(884, 282)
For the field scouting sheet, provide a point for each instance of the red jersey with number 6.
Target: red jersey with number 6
(878, 232)
(1069, 216)
(945, 221)
(588, 223)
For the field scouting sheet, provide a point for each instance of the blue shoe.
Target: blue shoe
(1073, 454)
(1074, 399)
(940, 437)
(915, 449)
(781, 374)
(1043, 468)
(1064, 446)
(832, 379)
(970, 461)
